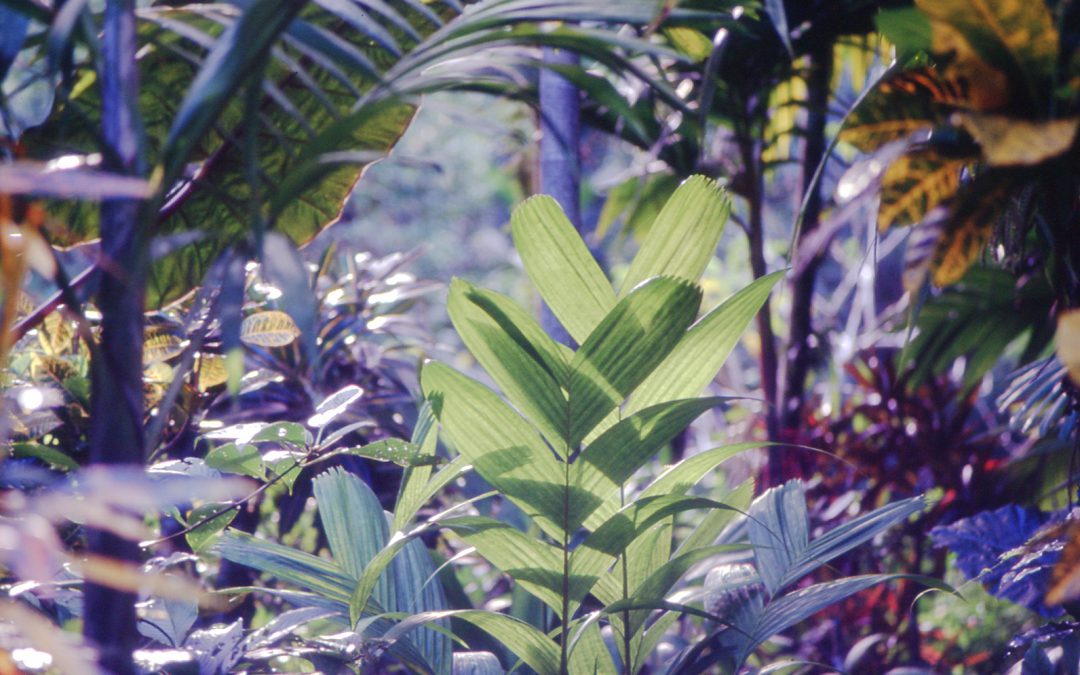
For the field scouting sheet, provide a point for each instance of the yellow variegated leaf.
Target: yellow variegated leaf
(269, 329)
(784, 102)
(983, 86)
(693, 43)
(915, 183)
(161, 345)
(1008, 141)
(55, 334)
(1068, 342)
(1015, 37)
(907, 102)
(211, 371)
(25, 305)
(158, 372)
(46, 365)
(966, 231)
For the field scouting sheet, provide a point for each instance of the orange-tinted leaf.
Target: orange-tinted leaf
(1014, 38)
(904, 103)
(913, 185)
(968, 229)
(1065, 578)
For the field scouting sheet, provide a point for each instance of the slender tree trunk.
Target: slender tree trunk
(750, 149)
(116, 426)
(560, 161)
(799, 347)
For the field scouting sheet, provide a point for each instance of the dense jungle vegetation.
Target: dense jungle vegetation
(540, 336)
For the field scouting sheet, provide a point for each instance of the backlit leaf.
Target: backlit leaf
(269, 329)
(211, 371)
(621, 450)
(242, 459)
(501, 446)
(205, 533)
(560, 265)
(394, 450)
(902, 104)
(161, 345)
(1019, 38)
(683, 238)
(625, 348)
(531, 562)
(1065, 578)
(516, 352)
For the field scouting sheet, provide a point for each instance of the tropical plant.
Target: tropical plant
(587, 420)
(997, 95)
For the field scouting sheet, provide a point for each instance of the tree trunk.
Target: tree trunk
(799, 348)
(116, 426)
(560, 162)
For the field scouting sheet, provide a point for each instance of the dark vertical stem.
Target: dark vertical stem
(750, 149)
(116, 425)
(799, 348)
(560, 162)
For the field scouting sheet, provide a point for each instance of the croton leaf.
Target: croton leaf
(999, 47)
(902, 104)
(969, 227)
(1008, 141)
(913, 185)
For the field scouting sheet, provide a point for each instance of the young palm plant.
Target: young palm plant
(576, 425)
(573, 429)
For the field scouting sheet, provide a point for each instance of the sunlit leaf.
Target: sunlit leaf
(683, 238)
(625, 347)
(161, 345)
(211, 371)
(517, 353)
(1065, 579)
(502, 447)
(902, 104)
(1067, 342)
(269, 329)
(1010, 141)
(242, 459)
(205, 532)
(559, 263)
(394, 450)
(536, 565)
(1012, 36)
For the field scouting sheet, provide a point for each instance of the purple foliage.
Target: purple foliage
(993, 547)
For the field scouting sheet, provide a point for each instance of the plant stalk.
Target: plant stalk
(799, 343)
(116, 425)
(750, 149)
